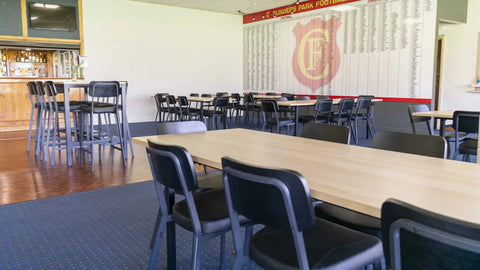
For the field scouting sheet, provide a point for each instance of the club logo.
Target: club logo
(316, 58)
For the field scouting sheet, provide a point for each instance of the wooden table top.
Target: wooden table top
(445, 114)
(354, 177)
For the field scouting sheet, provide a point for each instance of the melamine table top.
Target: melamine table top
(354, 177)
(444, 114)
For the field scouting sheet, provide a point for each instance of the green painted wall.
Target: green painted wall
(10, 18)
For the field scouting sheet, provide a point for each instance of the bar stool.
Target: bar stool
(35, 110)
(53, 128)
(105, 101)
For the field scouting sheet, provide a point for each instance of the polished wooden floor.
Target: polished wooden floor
(23, 176)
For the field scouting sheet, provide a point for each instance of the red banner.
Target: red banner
(293, 9)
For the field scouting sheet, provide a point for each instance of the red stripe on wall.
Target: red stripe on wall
(385, 99)
(293, 9)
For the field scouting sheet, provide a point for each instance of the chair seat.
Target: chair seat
(451, 136)
(210, 180)
(73, 107)
(468, 147)
(330, 246)
(349, 218)
(282, 121)
(210, 113)
(212, 212)
(99, 109)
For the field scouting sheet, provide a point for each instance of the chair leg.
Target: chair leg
(32, 111)
(196, 253)
(156, 246)
(222, 251)
(248, 235)
(120, 136)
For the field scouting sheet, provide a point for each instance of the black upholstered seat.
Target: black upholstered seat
(293, 237)
(417, 239)
(328, 245)
(211, 208)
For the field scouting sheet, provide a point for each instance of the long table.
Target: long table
(358, 178)
(353, 177)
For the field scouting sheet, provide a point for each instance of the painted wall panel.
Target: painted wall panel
(10, 18)
(383, 48)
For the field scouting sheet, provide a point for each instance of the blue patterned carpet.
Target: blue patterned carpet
(108, 228)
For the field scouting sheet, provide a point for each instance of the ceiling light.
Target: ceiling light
(33, 18)
(39, 5)
(51, 6)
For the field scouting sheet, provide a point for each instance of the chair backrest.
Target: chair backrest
(323, 107)
(363, 106)
(194, 94)
(418, 108)
(104, 89)
(253, 93)
(221, 94)
(32, 93)
(366, 96)
(183, 101)
(248, 99)
(159, 99)
(273, 197)
(465, 121)
(416, 239)
(271, 94)
(323, 97)
(170, 99)
(289, 96)
(206, 95)
(302, 98)
(331, 133)
(51, 93)
(220, 102)
(172, 166)
(270, 106)
(181, 127)
(346, 106)
(236, 97)
(418, 144)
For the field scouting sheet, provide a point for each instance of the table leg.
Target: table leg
(295, 132)
(68, 132)
(442, 127)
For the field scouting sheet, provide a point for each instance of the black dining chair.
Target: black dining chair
(418, 144)
(203, 213)
(466, 122)
(323, 110)
(417, 239)
(419, 119)
(292, 237)
(363, 112)
(219, 111)
(271, 117)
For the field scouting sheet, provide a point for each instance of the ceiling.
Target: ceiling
(225, 6)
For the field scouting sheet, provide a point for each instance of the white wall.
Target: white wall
(162, 49)
(460, 62)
